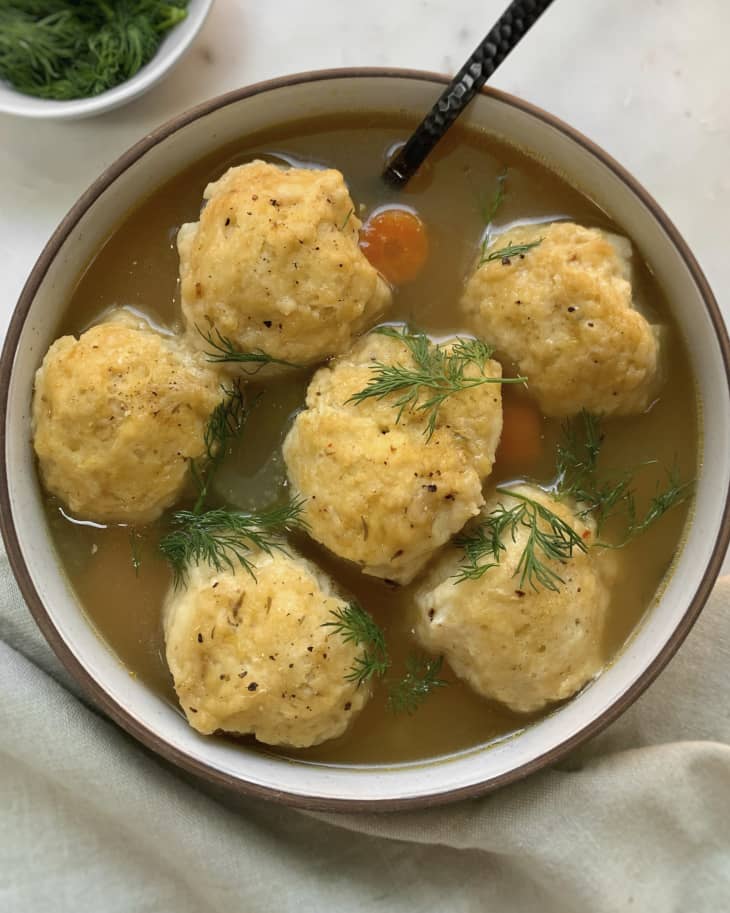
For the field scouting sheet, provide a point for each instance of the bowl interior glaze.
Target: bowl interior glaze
(143, 713)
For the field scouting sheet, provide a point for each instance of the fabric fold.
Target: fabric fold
(638, 818)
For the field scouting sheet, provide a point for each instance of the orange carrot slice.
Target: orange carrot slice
(396, 243)
(521, 442)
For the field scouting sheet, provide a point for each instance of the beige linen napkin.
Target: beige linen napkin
(636, 820)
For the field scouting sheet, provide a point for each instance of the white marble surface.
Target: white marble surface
(647, 79)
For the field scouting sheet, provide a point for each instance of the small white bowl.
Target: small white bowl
(171, 49)
(153, 720)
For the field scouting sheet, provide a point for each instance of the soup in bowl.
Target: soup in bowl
(352, 496)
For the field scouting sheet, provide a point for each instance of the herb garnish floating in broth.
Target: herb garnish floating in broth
(403, 513)
(404, 695)
(420, 680)
(490, 212)
(356, 626)
(549, 536)
(219, 537)
(225, 424)
(611, 495)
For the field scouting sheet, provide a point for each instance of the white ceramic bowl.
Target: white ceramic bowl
(51, 599)
(171, 49)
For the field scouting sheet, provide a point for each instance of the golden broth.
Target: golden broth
(137, 267)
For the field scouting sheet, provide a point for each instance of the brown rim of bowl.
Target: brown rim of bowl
(96, 691)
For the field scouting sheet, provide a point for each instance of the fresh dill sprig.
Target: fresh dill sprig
(222, 538)
(63, 50)
(224, 425)
(437, 374)
(224, 351)
(577, 467)
(484, 541)
(489, 213)
(347, 219)
(549, 537)
(505, 254)
(603, 499)
(357, 626)
(557, 542)
(578, 453)
(664, 499)
(421, 678)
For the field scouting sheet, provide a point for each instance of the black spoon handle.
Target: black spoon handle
(506, 34)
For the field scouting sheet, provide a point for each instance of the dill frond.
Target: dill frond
(489, 213)
(508, 252)
(421, 678)
(604, 499)
(223, 538)
(577, 468)
(347, 219)
(578, 452)
(556, 543)
(357, 626)
(664, 499)
(549, 537)
(225, 424)
(437, 374)
(484, 541)
(224, 351)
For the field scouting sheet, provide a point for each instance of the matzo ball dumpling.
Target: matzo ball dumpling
(274, 264)
(117, 415)
(522, 647)
(254, 655)
(379, 492)
(473, 416)
(563, 313)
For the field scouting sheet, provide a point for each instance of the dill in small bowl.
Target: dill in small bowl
(61, 50)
